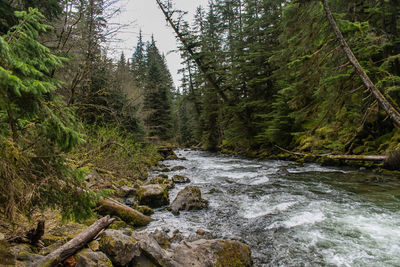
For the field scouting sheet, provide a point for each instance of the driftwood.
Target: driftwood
(35, 234)
(71, 247)
(127, 214)
(32, 237)
(385, 104)
(342, 157)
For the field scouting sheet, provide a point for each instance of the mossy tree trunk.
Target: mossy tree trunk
(389, 109)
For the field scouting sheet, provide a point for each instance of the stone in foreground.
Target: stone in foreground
(87, 258)
(120, 248)
(204, 253)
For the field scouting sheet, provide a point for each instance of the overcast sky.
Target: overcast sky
(145, 15)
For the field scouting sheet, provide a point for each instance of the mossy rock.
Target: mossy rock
(326, 161)
(188, 199)
(153, 195)
(233, 254)
(166, 170)
(163, 181)
(180, 179)
(177, 168)
(119, 247)
(88, 258)
(7, 258)
(145, 210)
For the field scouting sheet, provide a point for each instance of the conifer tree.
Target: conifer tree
(35, 126)
(157, 96)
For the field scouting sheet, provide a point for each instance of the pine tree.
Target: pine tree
(157, 99)
(35, 126)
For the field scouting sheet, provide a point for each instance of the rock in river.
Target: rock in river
(177, 168)
(180, 179)
(188, 199)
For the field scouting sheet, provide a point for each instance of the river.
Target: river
(292, 214)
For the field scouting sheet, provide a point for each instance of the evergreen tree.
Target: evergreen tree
(157, 98)
(35, 126)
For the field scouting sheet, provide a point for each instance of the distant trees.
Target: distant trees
(282, 78)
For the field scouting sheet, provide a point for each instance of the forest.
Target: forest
(260, 78)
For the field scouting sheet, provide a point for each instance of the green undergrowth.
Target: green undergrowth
(114, 154)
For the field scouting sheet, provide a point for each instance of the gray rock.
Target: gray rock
(177, 168)
(153, 195)
(180, 179)
(162, 181)
(204, 253)
(166, 170)
(126, 191)
(188, 199)
(152, 251)
(120, 248)
(87, 258)
(130, 201)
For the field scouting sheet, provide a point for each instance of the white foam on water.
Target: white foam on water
(300, 219)
(262, 208)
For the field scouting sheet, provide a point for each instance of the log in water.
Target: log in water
(293, 215)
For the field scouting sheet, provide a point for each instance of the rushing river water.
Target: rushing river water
(293, 215)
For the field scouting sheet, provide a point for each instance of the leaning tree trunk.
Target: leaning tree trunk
(203, 68)
(389, 109)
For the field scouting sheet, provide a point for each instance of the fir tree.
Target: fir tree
(35, 127)
(158, 89)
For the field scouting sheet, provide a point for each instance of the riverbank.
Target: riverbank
(127, 241)
(386, 164)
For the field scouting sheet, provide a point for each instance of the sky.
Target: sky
(146, 15)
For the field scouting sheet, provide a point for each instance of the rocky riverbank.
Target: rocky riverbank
(126, 242)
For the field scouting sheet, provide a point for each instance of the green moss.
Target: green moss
(118, 225)
(5, 255)
(325, 161)
(233, 254)
(145, 210)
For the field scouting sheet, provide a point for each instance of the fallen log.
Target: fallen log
(127, 214)
(71, 247)
(342, 157)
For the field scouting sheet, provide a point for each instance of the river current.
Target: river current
(291, 214)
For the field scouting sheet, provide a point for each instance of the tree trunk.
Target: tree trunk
(389, 109)
(127, 214)
(195, 57)
(70, 248)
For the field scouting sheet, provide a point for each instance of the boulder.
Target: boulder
(177, 168)
(163, 181)
(87, 258)
(7, 257)
(166, 170)
(152, 252)
(188, 199)
(167, 152)
(120, 248)
(145, 210)
(180, 179)
(126, 191)
(127, 214)
(204, 253)
(153, 195)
